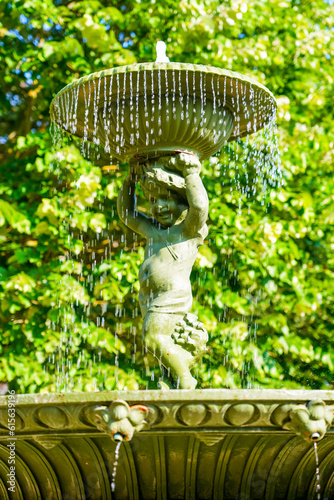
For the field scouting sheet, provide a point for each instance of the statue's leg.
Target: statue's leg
(157, 330)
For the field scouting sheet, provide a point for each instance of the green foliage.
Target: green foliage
(263, 282)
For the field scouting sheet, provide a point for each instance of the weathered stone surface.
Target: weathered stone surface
(240, 413)
(52, 417)
(4, 420)
(192, 414)
(48, 442)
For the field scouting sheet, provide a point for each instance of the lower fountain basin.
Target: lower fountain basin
(201, 444)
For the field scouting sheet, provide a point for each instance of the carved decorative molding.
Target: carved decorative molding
(178, 411)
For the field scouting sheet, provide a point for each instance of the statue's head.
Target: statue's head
(165, 191)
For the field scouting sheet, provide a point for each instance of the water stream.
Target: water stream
(114, 472)
(317, 473)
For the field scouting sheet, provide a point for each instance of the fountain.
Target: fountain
(163, 119)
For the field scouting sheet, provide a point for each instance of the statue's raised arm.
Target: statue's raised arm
(189, 166)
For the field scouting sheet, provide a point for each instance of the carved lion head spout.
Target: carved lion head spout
(119, 420)
(310, 421)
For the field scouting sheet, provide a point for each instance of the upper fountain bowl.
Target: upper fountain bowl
(155, 108)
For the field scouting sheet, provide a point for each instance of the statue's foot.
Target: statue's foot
(187, 382)
(163, 386)
(166, 381)
(184, 382)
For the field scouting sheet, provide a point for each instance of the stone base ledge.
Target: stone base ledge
(211, 410)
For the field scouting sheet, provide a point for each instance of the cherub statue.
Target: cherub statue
(179, 208)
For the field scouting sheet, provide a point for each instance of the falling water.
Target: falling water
(317, 472)
(114, 471)
(174, 94)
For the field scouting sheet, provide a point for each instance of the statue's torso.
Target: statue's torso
(164, 275)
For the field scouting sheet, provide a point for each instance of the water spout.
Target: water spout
(118, 437)
(161, 52)
(119, 420)
(310, 421)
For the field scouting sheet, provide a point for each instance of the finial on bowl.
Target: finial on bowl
(161, 52)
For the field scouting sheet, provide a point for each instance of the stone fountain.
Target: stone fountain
(162, 119)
